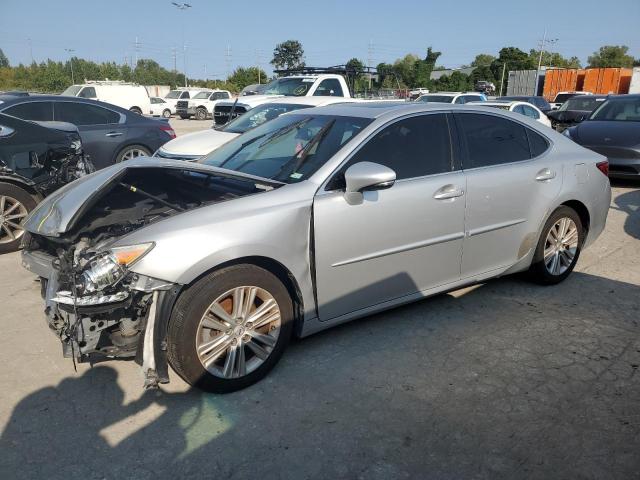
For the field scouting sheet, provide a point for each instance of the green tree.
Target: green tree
(289, 54)
(243, 76)
(510, 58)
(404, 68)
(423, 68)
(611, 56)
(554, 59)
(4, 61)
(482, 60)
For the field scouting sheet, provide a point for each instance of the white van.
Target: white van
(131, 96)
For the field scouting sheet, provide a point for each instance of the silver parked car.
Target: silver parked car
(307, 221)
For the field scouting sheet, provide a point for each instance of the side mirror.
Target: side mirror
(364, 176)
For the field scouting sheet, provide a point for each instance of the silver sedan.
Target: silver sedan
(308, 221)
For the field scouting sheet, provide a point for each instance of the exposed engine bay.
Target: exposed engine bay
(95, 305)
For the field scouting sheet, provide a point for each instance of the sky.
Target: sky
(221, 35)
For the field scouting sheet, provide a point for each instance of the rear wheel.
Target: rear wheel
(230, 328)
(558, 248)
(15, 205)
(166, 113)
(131, 152)
(201, 113)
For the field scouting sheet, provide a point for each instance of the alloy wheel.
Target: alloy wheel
(133, 153)
(238, 332)
(561, 246)
(12, 213)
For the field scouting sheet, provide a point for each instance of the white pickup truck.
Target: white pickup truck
(201, 105)
(296, 85)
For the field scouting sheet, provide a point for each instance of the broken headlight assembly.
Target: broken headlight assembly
(106, 269)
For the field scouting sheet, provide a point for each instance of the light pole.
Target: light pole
(70, 52)
(182, 7)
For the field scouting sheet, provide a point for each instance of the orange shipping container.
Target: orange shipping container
(607, 80)
(562, 80)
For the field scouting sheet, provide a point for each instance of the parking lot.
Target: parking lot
(501, 380)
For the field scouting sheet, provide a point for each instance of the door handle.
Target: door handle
(448, 191)
(113, 134)
(545, 174)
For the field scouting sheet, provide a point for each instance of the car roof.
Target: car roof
(58, 98)
(508, 103)
(378, 109)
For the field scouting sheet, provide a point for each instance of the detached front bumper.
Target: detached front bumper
(132, 325)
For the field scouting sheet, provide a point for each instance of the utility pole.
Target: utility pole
(504, 69)
(30, 49)
(228, 60)
(136, 48)
(369, 60)
(70, 52)
(183, 7)
(258, 64)
(542, 45)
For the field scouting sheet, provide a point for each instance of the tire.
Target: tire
(188, 338)
(135, 110)
(201, 113)
(15, 204)
(557, 266)
(166, 113)
(132, 151)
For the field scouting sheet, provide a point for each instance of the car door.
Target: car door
(399, 240)
(103, 130)
(511, 181)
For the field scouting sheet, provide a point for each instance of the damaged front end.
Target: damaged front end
(94, 302)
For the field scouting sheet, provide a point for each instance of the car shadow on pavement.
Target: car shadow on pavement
(501, 380)
(629, 203)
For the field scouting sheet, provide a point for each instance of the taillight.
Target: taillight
(169, 130)
(603, 167)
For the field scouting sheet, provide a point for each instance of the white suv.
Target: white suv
(201, 105)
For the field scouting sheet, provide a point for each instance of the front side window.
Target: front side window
(202, 95)
(34, 111)
(492, 140)
(412, 147)
(220, 96)
(329, 88)
(84, 114)
(288, 149)
(173, 94)
(88, 92)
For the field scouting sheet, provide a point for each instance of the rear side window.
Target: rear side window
(85, 114)
(35, 111)
(413, 147)
(88, 92)
(537, 143)
(531, 112)
(329, 88)
(492, 140)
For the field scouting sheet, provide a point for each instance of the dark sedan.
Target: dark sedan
(574, 111)
(110, 134)
(539, 102)
(613, 130)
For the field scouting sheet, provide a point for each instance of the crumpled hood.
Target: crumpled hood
(58, 213)
(198, 143)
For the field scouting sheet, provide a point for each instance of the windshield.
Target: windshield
(203, 95)
(288, 149)
(584, 103)
(173, 94)
(618, 109)
(72, 91)
(289, 86)
(259, 115)
(436, 99)
(563, 97)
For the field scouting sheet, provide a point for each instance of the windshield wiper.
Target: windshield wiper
(240, 148)
(302, 155)
(284, 131)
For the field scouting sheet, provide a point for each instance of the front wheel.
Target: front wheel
(166, 113)
(15, 205)
(201, 114)
(229, 329)
(558, 248)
